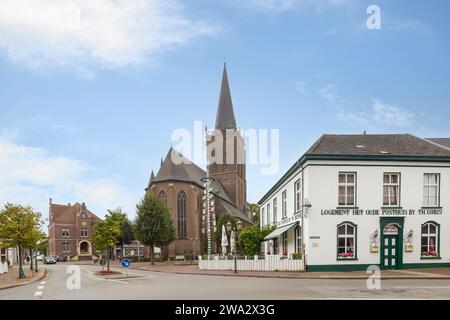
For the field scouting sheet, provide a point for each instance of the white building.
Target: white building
(364, 200)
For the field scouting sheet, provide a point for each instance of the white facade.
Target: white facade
(385, 234)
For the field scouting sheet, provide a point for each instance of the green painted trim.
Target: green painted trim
(399, 242)
(430, 208)
(355, 242)
(426, 265)
(350, 208)
(299, 165)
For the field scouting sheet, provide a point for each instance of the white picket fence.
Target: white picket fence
(269, 263)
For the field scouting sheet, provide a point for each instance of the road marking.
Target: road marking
(43, 282)
(40, 287)
(38, 293)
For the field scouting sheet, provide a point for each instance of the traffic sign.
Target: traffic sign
(126, 263)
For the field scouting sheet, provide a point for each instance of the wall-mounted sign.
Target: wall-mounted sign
(408, 247)
(374, 248)
(390, 230)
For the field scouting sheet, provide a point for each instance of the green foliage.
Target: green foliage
(296, 256)
(251, 238)
(128, 232)
(254, 210)
(20, 227)
(153, 223)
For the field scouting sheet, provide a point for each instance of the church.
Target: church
(179, 183)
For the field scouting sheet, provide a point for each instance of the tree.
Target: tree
(251, 238)
(128, 233)
(107, 233)
(254, 210)
(19, 227)
(153, 223)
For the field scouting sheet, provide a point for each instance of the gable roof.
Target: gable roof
(376, 145)
(445, 142)
(225, 118)
(67, 213)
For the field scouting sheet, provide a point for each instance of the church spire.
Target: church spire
(225, 114)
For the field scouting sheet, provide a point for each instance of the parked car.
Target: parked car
(40, 257)
(49, 260)
(61, 258)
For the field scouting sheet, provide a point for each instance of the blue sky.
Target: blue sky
(90, 93)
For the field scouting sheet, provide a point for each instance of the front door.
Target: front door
(390, 252)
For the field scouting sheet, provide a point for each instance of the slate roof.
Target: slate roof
(445, 142)
(376, 145)
(225, 118)
(176, 167)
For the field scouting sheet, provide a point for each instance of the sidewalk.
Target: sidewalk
(170, 267)
(10, 279)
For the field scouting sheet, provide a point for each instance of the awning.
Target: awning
(279, 231)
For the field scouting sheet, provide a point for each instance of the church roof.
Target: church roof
(225, 114)
(176, 167)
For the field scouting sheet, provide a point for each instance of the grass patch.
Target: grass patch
(107, 273)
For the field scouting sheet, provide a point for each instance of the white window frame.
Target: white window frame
(275, 209)
(428, 235)
(428, 185)
(268, 212)
(298, 195)
(346, 235)
(390, 187)
(84, 234)
(65, 232)
(298, 239)
(262, 216)
(284, 204)
(347, 185)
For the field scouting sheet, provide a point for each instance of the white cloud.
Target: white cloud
(300, 87)
(278, 6)
(83, 35)
(379, 115)
(330, 93)
(31, 176)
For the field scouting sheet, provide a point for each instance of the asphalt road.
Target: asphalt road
(156, 285)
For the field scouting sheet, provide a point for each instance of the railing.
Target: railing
(269, 263)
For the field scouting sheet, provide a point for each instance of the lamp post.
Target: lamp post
(234, 233)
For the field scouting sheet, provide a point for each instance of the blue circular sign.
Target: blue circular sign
(126, 263)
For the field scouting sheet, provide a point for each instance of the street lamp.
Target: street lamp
(234, 235)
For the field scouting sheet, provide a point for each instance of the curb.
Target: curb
(281, 276)
(36, 279)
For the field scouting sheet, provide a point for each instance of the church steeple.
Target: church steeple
(225, 114)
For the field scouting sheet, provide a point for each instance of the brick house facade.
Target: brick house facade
(70, 231)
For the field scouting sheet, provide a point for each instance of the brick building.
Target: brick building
(70, 231)
(179, 181)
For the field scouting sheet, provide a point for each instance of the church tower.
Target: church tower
(226, 149)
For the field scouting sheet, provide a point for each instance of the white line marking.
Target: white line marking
(40, 287)
(43, 282)
(38, 293)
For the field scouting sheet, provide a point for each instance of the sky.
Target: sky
(91, 91)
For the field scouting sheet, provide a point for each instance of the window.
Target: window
(262, 216)
(275, 210)
(181, 214)
(163, 197)
(65, 232)
(268, 213)
(430, 240)
(298, 195)
(346, 189)
(84, 232)
(431, 190)
(298, 239)
(284, 204)
(66, 247)
(285, 243)
(346, 246)
(391, 189)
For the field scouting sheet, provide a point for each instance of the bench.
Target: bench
(180, 258)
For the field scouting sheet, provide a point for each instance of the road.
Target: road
(157, 285)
